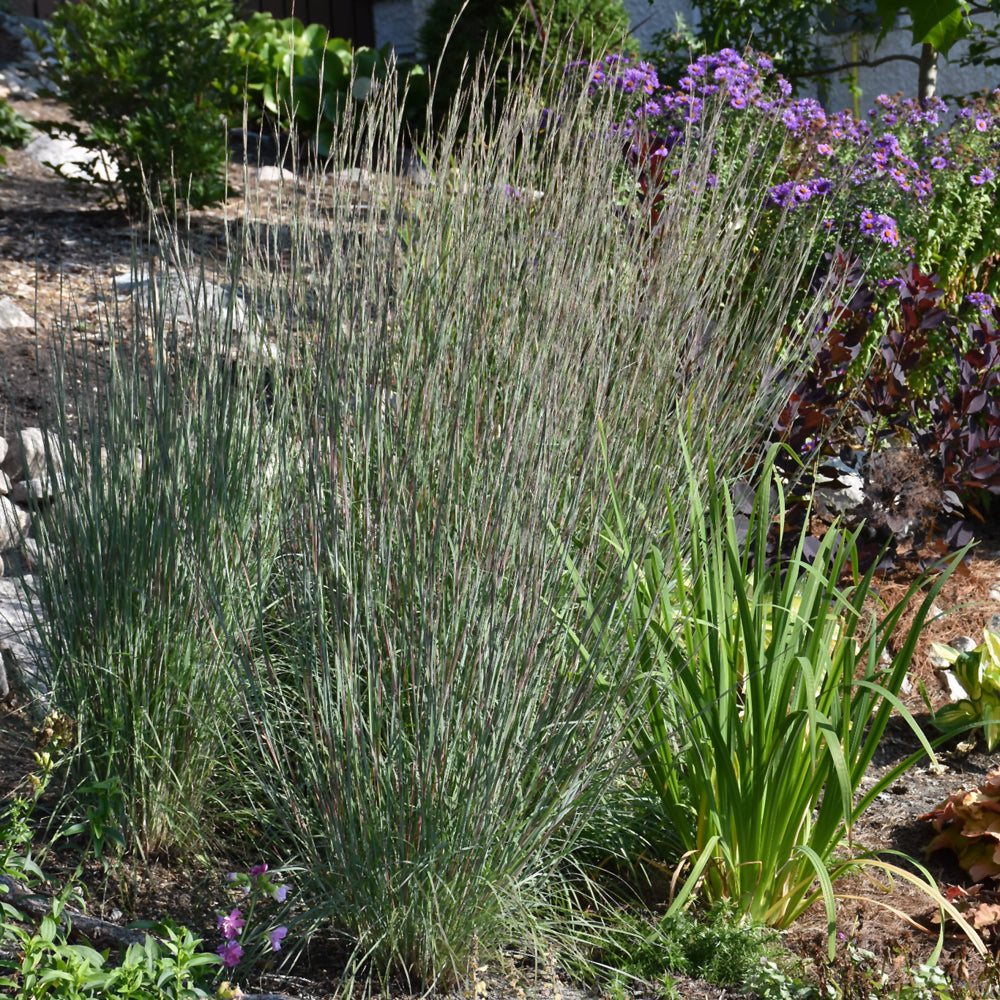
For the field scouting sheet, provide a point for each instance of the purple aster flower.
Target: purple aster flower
(938, 162)
(803, 192)
(890, 235)
(982, 124)
(867, 221)
(983, 177)
(824, 149)
(782, 195)
(982, 301)
(277, 936)
(231, 953)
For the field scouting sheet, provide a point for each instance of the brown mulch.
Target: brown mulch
(59, 248)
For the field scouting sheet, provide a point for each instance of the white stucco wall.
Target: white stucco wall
(397, 23)
(901, 76)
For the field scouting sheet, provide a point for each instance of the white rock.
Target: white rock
(187, 299)
(70, 159)
(13, 317)
(273, 174)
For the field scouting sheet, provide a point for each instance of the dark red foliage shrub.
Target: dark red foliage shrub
(930, 379)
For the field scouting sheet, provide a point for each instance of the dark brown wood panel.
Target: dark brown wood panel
(345, 18)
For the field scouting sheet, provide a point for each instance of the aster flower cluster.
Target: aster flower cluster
(258, 884)
(914, 178)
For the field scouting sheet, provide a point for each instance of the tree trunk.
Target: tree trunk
(928, 71)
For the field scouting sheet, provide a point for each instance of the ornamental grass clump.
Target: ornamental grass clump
(165, 459)
(348, 502)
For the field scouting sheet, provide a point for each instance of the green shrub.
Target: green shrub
(144, 78)
(14, 130)
(306, 81)
(556, 29)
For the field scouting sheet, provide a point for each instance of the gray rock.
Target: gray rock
(38, 488)
(21, 652)
(26, 458)
(188, 299)
(13, 317)
(839, 488)
(14, 522)
(22, 560)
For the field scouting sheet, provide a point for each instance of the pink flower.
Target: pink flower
(231, 925)
(231, 953)
(277, 936)
(258, 870)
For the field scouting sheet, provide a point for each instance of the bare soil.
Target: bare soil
(59, 248)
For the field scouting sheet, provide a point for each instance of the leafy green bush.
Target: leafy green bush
(550, 30)
(308, 81)
(42, 963)
(144, 78)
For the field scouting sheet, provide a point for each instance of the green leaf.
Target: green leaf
(940, 23)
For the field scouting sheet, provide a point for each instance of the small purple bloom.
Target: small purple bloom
(258, 870)
(982, 301)
(938, 162)
(231, 953)
(983, 177)
(280, 893)
(231, 925)
(982, 124)
(277, 936)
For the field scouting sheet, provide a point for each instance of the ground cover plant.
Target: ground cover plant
(358, 500)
